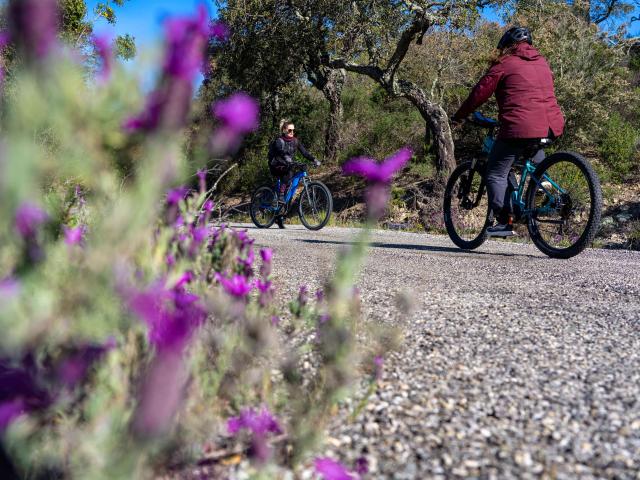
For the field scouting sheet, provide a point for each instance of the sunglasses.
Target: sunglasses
(291, 130)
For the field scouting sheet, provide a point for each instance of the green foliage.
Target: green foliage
(125, 46)
(618, 147)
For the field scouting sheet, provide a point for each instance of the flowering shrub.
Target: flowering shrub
(131, 322)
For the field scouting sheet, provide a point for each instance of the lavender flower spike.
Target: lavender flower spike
(374, 172)
(239, 113)
(332, 470)
(104, 49)
(237, 286)
(74, 236)
(34, 26)
(28, 218)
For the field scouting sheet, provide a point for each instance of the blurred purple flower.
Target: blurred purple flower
(175, 195)
(9, 287)
(237, 286)
(378, 361)
(375, 172)
(260, 424)
(266, 254)
(208, 206)
(186, 40)
(186, 277)
(239, 113)
(263, 286)
(275, 320)
(74, 235)
(74, 368)
(362, 466)
(324, 318)
(104, 48)
(34, 26)
(220, 31)
(20, 393)
(247, 262)
(171, 260)
(303, 295)
(28, 218)
(10, 410)
(202, 180)
(319, 295)
(168, 106)
(332, 470)
(257, 422)
(171, 315)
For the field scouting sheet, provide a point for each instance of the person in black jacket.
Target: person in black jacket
(281, 153)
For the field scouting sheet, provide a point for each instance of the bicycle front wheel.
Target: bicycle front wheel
(315, 205)
(466, 207)
(264, 206)
(564, 199)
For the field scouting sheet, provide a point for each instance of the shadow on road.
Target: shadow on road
(424, 248)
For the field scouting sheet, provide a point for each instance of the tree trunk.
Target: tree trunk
(437, 121)
(333, 93)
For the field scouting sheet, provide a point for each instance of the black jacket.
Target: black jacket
(283, 151)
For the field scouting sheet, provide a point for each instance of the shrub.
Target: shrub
(619, 146)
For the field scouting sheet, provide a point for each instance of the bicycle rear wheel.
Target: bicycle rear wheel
(466, 207)
(264, 206)
(565, 205)
(315, 205)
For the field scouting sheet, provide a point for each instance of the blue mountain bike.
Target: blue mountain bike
(560, 199)
(315, 202)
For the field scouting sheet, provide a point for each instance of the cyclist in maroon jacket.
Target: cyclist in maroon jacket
(528, 111)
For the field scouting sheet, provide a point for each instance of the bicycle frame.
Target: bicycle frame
(295, 182)
(518, 201)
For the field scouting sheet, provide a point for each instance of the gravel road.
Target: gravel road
(513, 365)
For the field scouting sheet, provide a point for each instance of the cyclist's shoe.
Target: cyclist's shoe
(501, 230)
(280, 221)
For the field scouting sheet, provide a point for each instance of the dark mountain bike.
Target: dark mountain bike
(315, 202)
(560, 199)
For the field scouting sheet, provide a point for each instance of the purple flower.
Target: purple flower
(275, 320)
(260, 424)
(28, 218)
(186, 277)
(303, 295)
(74, 368)
(168, 106)
(104, 49)
(171, 315)
(319, 295)
(247, 262)
(362, 466)
(34, 26)
(324, 318)
(375, 172)
(332, 470)
(10, 410)
(239, 113)
(378, 361)
(202, 180)
(9, 287)
(171, 260)
(220, 31)
(186, 40)
(74, 236)
(263, 287)
(175, 195)
(266, 254)
(208, 206)
(20, 392)
(257, 422)
(237, 286)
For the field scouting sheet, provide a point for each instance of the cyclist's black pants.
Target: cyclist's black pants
(500, 179)
(284, 173)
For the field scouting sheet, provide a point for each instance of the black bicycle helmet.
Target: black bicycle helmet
(515, 35)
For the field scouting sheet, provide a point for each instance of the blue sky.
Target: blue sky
(142, 19)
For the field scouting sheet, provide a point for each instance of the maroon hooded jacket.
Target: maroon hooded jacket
(523, 84)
